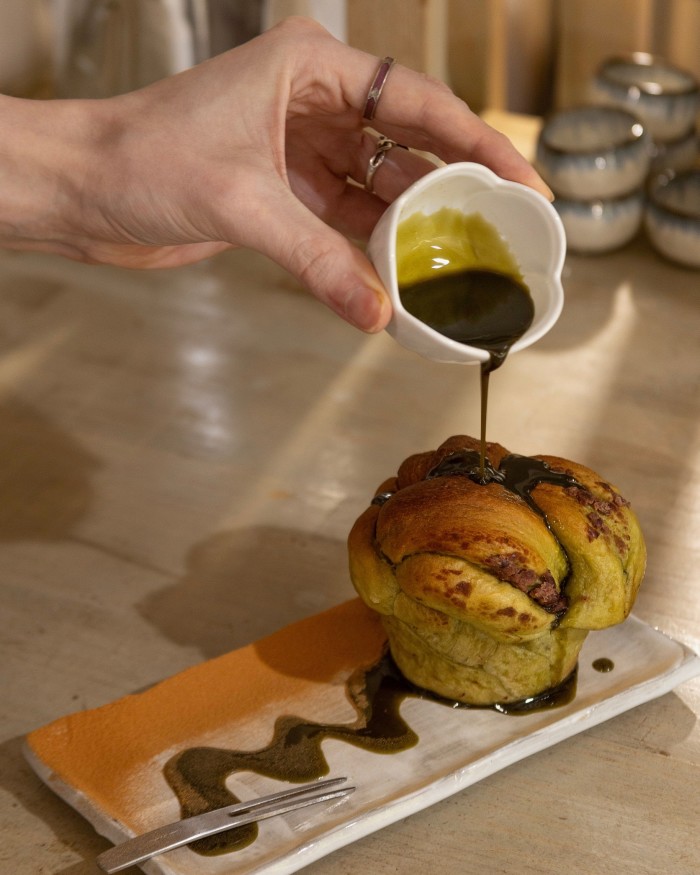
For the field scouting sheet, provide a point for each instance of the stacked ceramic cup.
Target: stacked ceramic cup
(663, 97)
(632, 153)
(596, 160)
(666, 100)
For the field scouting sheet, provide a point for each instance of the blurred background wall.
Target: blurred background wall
(526, 56)
(25, 47)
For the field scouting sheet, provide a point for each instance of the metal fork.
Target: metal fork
(182, 832)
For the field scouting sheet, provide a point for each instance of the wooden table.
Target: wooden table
(183, 454)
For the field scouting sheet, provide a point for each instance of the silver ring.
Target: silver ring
(384, 145)
(376, 88)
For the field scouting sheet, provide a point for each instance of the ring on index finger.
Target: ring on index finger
(384, 146)
(376, 88)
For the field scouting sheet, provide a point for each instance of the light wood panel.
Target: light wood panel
(413, 31)
(591, 30)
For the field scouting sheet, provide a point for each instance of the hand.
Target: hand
(254, 148)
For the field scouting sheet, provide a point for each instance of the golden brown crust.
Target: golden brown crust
(415, 468)
(601, 535)
(456, 517)
(470, 576)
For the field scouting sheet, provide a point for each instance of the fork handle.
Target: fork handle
(175, 835)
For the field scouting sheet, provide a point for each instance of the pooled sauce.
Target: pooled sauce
(603, 664)
(556, 697)
(481, 308)
(458, 277)
(517, 474)
(198, 775)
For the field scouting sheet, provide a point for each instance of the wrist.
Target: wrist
(47, 152)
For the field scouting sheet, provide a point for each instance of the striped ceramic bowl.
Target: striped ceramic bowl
(593, 152)
(672, 217)
(602, 225)
(664, 97)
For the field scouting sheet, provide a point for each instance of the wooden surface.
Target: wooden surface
(412, 31)
(589, 31)
(183, 453)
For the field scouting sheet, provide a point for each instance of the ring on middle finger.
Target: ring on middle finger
(384, 146)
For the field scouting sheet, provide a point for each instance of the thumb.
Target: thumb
(338, 274)
(323, 260)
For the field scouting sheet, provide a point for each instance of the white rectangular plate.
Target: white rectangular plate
(457, 748)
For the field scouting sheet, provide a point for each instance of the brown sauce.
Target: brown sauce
(198, 775)
(518, 474)
(481, 308)
(603, 664)
(457, 274)
(556, 697)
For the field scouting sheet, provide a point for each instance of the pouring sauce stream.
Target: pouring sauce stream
(458, 277)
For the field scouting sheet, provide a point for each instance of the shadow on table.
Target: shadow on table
(45, 476)
(71, 830)
(243, 584)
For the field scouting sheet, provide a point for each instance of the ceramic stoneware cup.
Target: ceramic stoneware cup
(603, 225)
(593, 152)
(523, 220)
(664, 97)
(672, 217)
(676, 155)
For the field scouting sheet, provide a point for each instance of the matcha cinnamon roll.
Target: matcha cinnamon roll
(488, 578)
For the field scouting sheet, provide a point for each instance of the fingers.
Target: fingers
(341, 277)
(322, 259)
(421, 112)
(413, 109)
(355, 213)
(396, 168)
(496, 151)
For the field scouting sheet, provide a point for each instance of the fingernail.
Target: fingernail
(547, 192)
(367, 307)
(541, 186)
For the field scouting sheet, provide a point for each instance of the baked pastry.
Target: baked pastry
(489, 581)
